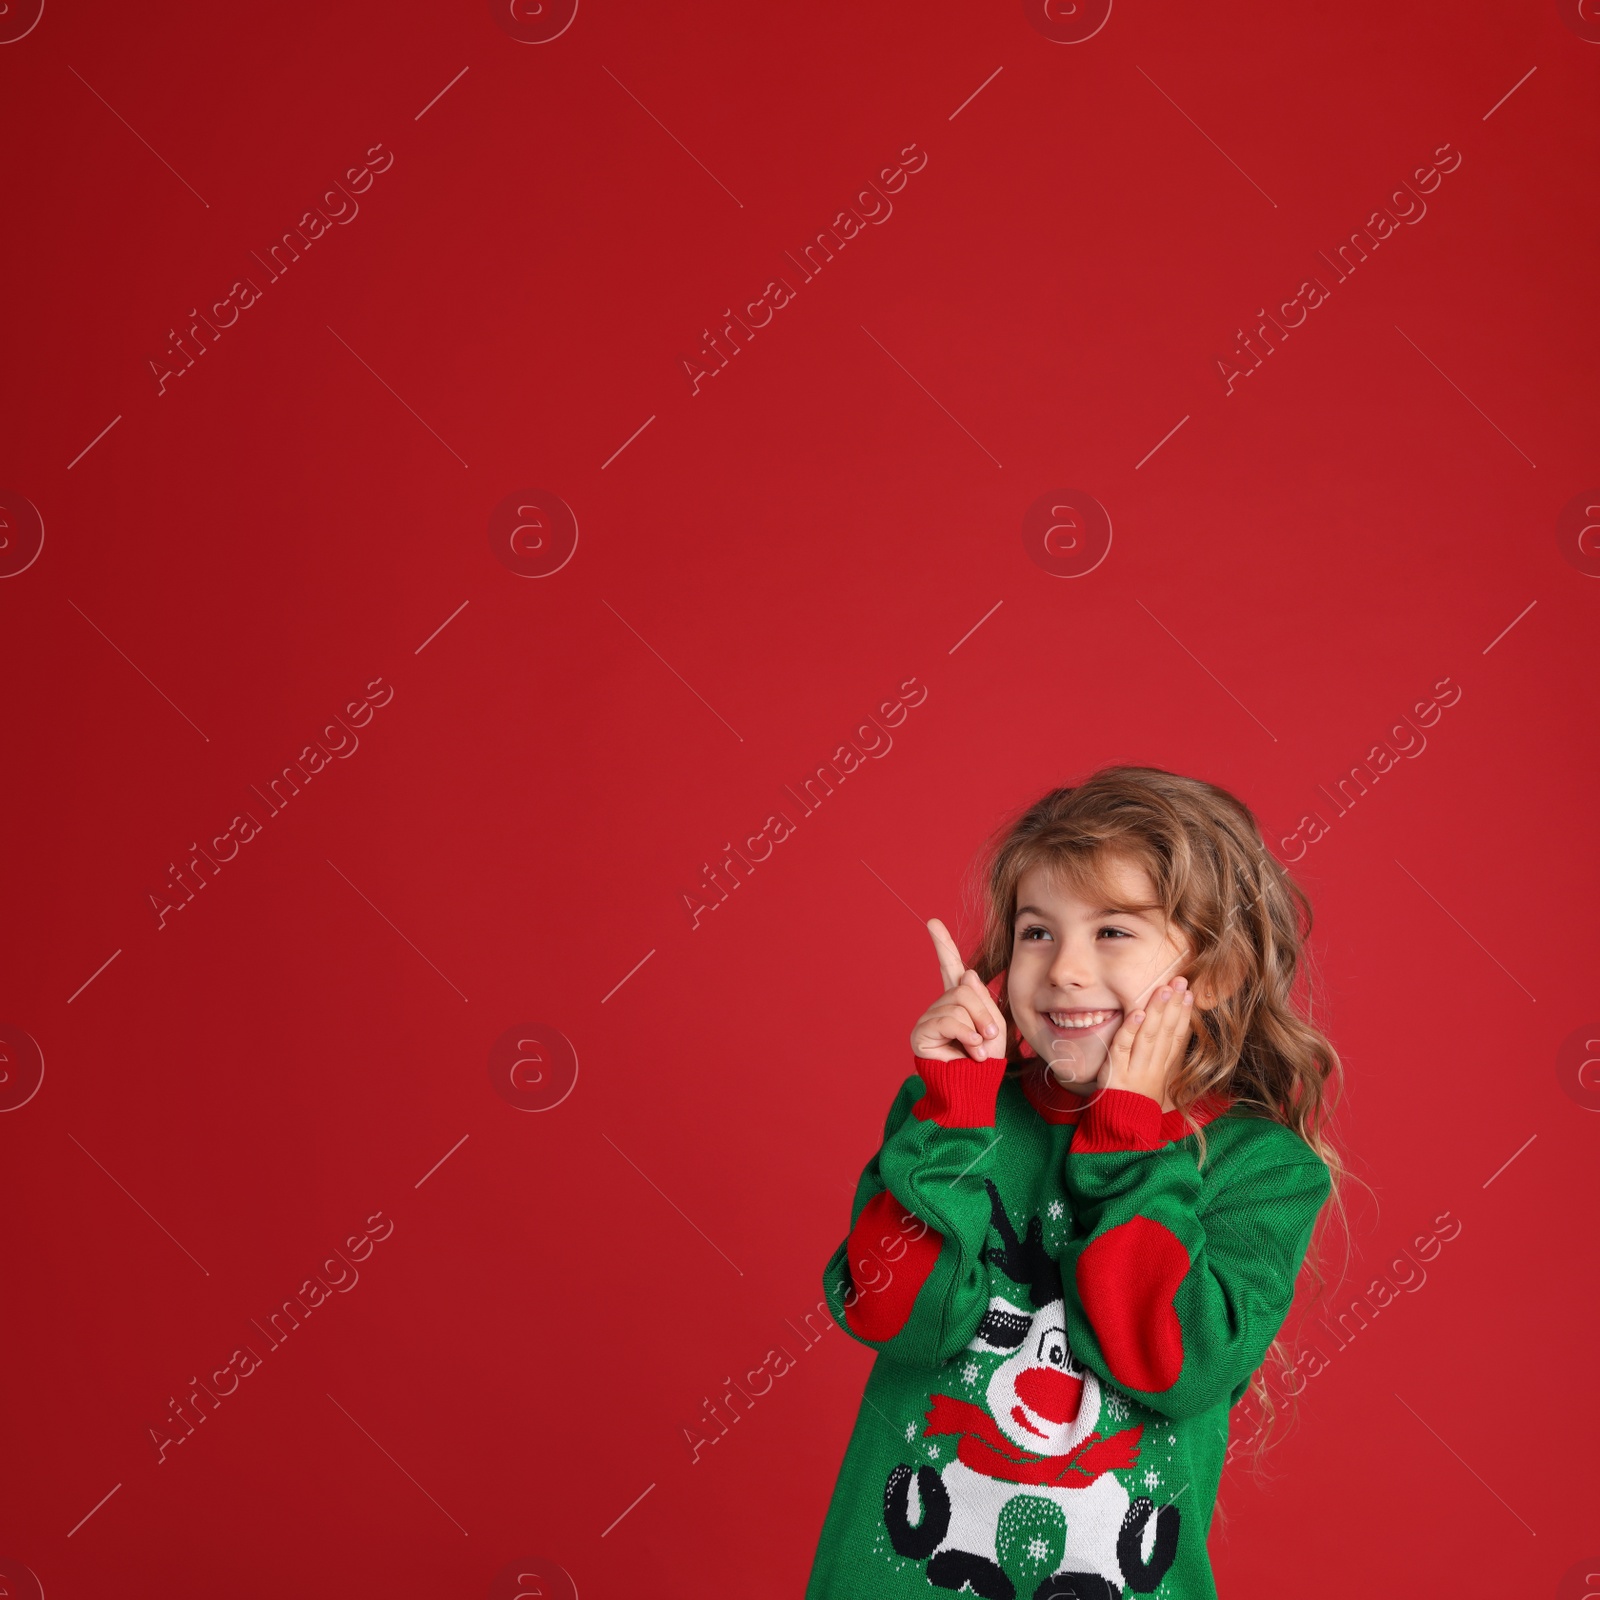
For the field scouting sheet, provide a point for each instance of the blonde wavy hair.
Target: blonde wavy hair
(1247, 922)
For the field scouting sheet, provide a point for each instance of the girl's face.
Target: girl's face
(1078, 970)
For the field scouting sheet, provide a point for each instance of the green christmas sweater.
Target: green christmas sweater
(1066, 1303)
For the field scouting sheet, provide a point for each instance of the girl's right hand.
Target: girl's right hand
(964, 1023)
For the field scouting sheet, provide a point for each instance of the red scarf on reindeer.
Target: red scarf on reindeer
(986, 1449)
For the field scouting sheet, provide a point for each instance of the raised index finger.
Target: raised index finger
(951, 966)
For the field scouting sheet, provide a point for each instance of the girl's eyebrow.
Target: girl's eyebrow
(1104, 911)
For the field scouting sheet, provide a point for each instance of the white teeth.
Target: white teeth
(1088, 1019)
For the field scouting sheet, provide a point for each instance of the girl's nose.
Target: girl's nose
(1050, 1394)
(1071, 965)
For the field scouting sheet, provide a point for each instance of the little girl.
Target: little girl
(1082, 1231)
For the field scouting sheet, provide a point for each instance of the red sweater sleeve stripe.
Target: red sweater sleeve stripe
(1126, 1281)
(886, 1284)
(1127, 1276)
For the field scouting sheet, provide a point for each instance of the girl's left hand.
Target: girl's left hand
(1151, 1042)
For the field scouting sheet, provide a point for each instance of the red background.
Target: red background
(831, 515)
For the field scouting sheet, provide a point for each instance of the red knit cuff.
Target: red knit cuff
(1118, 1119)
(959, 1094)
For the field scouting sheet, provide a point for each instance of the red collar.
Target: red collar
(1057, 1104)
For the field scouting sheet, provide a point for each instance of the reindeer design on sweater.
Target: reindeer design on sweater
(1035, 1435)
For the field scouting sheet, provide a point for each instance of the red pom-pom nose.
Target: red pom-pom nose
(1053, 1395)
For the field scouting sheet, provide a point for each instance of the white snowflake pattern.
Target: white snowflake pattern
(911, 1432)
(933, 1451)
(1116, 1406)
(1151, 1478)
(969, 1373)
(1038, 1549)
(1056, 1208)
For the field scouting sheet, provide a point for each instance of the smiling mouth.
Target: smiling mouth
(1021, 1417)
(1068, 1024)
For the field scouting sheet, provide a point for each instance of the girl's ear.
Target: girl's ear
(1211, 992)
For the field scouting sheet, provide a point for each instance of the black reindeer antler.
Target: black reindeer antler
(1025, 1260)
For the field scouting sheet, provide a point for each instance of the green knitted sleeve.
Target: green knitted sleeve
(1176, 1283)
(909, 1280)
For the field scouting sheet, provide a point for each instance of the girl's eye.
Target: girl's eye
(1122, 933)
(1032, 929)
